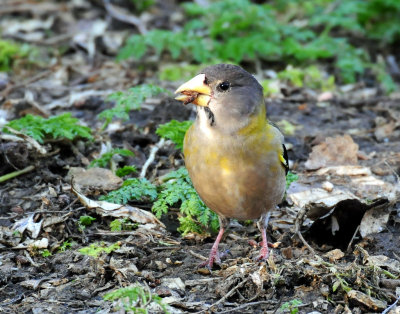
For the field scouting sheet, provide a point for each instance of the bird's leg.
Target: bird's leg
(214, 253)
(262, 226)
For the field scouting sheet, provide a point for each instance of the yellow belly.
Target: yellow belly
(235, 177)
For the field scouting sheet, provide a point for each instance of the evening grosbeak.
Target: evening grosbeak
(235, 158)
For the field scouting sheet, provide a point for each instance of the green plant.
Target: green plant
(135, 299)
(179, 73)
(292, 306)
(290, 178)
(270, 87)
(45, 253)
(178, 189)
(122, 224)
(309, 76)
(240, 30)
(174, 131)
(96, 249)
(104, 160)
(128, 101)
(85, 221)
(287, 127)
(65, 246)
(57, 127)
(340, 282)
(142, 5)
(9, 51)
(132, 189)
(16, 234)
(125, 170)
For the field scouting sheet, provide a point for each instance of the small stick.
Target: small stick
(298, 223)
(198, 255)
(242, 306)
(16, 173)
(352, 239)
(152, 155)
(123, 16)
(239, 285)
(392, 306)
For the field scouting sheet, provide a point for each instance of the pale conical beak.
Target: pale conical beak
(195, 91)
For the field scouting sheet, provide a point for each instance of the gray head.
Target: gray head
(229, 95)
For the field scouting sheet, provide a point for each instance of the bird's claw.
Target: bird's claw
(262, 257)
(215, 258)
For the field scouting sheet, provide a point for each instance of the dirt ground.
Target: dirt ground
(346, 263)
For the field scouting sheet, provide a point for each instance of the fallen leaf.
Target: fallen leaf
(173, 283)
(319, 201)
(94, 179)
(27, 223)
(334, 151)
(334, 255)
(374, 221)
(366, 300)
(384, 261)
(104, 208)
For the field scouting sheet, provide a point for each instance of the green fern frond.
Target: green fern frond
(128, 101)
(177, 189)
(132, 189)
(104, 160)
(57, 127)
(174, 131)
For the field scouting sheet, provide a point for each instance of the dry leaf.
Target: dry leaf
(94, 179)
(374, 221)
(119, 211)
(334, 151)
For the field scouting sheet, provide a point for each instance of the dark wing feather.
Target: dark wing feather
(285, 161)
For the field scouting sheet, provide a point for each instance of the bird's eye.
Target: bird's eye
(224, 86)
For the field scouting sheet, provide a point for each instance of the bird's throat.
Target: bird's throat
(210, 115)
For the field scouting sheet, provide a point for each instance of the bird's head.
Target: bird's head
(230, 96)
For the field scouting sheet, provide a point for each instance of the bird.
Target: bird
(236, 158)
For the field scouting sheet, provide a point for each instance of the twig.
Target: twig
(239, 285)
(31, 260)
(28, 81)
(198, 255)
(75, 96)
(352, 239)
(38, 8)
(246, 305)
(299, 221)
(30, 99)
(123, 16)
(198, 281)
(41, 149)
(16, 173)
(392, 306)
(152, 155)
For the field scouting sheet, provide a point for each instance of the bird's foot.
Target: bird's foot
(264, 254)
(254, 244)
(215, 257)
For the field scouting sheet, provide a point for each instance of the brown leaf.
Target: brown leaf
(334, 151)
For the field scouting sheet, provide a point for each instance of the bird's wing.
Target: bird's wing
(283, 155)
(284, 158)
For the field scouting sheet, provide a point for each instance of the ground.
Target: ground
(353, 268)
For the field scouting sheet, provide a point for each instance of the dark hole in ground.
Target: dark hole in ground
(346, 217)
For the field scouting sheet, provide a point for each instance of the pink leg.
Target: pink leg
(214, 253)
(262, 226)
(264, 252)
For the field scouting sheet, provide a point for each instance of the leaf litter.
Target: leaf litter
(345, 148)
